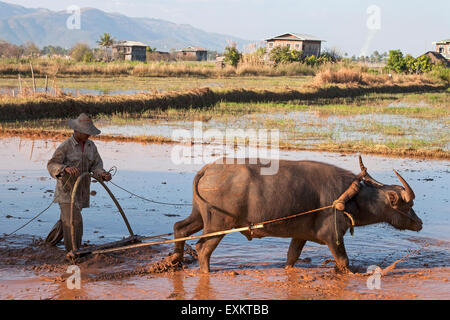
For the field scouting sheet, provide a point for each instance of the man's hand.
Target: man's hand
(73, 171)
(106, 176)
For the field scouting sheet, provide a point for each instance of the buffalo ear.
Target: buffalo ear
(393, 197)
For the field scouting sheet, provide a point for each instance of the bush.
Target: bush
(423, 64)
(396, 62)
(80, 52)
(441, 73)
(282, 54)
(407, 64)
(311, 61)
(232, 56)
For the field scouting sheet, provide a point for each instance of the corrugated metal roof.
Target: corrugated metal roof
(192, 48)
(298, 37)
(127, 43)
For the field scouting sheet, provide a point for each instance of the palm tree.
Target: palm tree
(106, 41)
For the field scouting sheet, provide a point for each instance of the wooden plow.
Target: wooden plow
(132, 241)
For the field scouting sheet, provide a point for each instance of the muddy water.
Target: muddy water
(241, 269)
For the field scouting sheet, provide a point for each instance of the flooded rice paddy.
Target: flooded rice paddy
(395, 123)
(307, 128)
(241, 269)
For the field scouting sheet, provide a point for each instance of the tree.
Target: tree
(30, 49)
(331, 54)
(9, 50)
(51, 50)
(396, 62)
(280, 54)
(81, 52)
(423, 64)
(260, 52)
(105, 42)
(296, 56)
(232, 55)
(283, 54)
(409, 63)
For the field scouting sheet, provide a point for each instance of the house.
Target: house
(443, 47)
(437, 58)
(220, 61)
(158, 56)
(192, 54)
(129, 50)
(310, 45)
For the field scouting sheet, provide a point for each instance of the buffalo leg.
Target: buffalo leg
(205, 247)
(185, 228)
(295, 249)
(339, 254)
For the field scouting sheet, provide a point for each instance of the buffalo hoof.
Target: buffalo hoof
(343, 270)
(288, 267)
(175, 258)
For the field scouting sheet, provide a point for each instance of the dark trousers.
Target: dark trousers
(62, 228)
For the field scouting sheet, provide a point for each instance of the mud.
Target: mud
(416, 265)
(33, 270)
(37, 256)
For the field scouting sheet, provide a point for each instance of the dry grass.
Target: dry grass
(343, 75)
(381, 149)
(347, 75)
(59, 135)
(151, 69)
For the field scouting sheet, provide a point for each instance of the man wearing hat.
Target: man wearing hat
(74, 156)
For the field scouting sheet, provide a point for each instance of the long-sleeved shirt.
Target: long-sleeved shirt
(70, 153)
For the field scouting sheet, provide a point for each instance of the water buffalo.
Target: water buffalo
(229, 195)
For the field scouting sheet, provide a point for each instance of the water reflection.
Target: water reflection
(203, 290)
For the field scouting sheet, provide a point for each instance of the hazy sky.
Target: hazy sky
(410, 25)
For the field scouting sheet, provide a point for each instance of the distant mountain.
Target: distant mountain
(8, 10)
(45, 27)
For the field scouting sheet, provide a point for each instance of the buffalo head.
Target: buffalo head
(397, 202)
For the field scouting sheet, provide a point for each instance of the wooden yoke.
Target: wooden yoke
(347, 195)
(354, 188)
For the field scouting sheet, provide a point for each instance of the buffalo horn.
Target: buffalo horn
(367, 176)
(408, 194)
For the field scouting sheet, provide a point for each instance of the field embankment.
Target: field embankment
(40, 106)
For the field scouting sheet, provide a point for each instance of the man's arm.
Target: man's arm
(97, 167)
(55, 165)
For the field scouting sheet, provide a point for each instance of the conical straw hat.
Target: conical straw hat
(84, 125)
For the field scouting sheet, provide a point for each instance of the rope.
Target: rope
(39, 214)
(306, 212)
(295, 215)
(149, 200)
(30, 220)
(335, 226)
(213, 234)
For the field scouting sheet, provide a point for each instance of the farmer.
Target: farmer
(73, 157)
